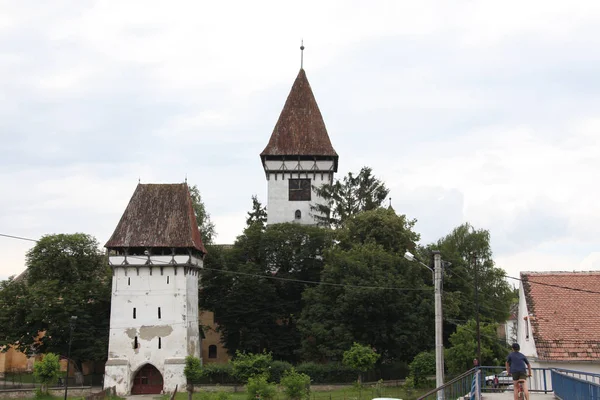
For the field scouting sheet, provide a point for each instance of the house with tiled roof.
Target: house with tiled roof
(559, 319)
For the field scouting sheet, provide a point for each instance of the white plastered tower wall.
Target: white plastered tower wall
(154, 319)
(280, 208)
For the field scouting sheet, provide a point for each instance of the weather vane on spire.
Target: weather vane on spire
(302, 54)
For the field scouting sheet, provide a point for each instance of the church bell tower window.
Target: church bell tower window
(299, 189)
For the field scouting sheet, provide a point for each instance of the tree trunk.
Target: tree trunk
(190, 388)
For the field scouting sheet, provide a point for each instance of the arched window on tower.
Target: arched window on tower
(298, 215)
(212, 351)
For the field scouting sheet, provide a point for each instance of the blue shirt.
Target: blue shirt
(517, 361)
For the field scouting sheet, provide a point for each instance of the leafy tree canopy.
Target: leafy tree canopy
(205, 225)
(66, 276)
(369, 293)
(351, 195)
(258, 214)
(469, 251)
(47, 370)
(463, 347)
(361, 358)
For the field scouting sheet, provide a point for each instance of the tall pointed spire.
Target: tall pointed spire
(300, 130)
(302, 54)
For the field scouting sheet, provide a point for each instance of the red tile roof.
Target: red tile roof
(158, 215)
(565, 322)
(300, 130)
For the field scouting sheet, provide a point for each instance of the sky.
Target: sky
(469, 111)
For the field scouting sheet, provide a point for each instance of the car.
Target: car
(503, 379)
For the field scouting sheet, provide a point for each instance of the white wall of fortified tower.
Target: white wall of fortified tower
(154, 319)
(280, 208)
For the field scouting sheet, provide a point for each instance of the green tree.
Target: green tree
(205, 225)
(296, 385)
(47, 370)
(369, 293)
(252, 287)
(463, 347)
(361, 358)
(351, 195)
(193, 371)
(66, 276)
(469, 251)
(258, 214)
(422, 366)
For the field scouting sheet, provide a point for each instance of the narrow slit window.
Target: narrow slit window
(159, 313)
(135, 343)
(159, 343)
(128, 281)
(134, 314)
(167, 280)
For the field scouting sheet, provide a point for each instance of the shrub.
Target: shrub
(258, 387)
(247, 365)
(278, 368)
(218, 373)
(47, 370)
(361, 358)
(327, 373)
(296, 386)
(422, 366)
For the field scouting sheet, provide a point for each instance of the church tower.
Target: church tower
(298, 157)
(155, 254)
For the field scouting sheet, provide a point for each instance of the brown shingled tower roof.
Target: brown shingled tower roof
(565, 316)
(158, 215)
(300, 130)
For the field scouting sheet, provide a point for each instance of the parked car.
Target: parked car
(503, 379)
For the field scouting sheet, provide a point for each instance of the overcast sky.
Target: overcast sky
(478, 111)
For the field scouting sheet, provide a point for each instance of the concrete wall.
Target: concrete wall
(162, 340)
(279, 208)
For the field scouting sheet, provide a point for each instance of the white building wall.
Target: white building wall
(524, 329)
(146, 289)
(279, 208)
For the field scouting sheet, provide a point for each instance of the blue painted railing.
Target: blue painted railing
(540, 380)
(575, 385)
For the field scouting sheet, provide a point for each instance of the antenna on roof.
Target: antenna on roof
(302, 54)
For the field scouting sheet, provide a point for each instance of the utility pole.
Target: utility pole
(439, 340)
(72, 327)
(477, 309)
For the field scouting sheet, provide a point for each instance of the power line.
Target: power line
(18, 237)
(528, 280)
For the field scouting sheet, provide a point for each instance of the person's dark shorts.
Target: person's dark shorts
(519, 375)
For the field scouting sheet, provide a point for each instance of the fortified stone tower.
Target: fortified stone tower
(155, 253)
(299, 155)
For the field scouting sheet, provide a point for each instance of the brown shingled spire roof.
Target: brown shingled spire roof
(300, 130)
(158, 215)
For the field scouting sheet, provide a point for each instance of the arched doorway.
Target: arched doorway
(148, 380)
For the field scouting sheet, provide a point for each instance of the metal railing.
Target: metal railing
(540, 380)
(575, 385)
(463, 386)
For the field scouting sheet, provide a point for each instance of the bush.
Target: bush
(247, 365)
(259, 387)
(278, 368)
(47, 370)
(218, 373)
(422, 366)
(327, 373)
(296, 386)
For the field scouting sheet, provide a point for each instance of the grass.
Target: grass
(346, 393)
